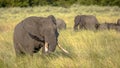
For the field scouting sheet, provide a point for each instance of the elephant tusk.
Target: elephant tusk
(63, 49)
(46, 47)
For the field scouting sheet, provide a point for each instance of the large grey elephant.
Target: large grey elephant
(87, 22)
(33, 33)
(60, 24)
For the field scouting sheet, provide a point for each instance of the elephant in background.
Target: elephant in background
(114, 26)
(34, 33)
(60, 24)
(102, 26)
(108, 26)
(87, 22)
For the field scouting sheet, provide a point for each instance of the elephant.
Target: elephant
(114, 26)
(117, 28)
(88, 22)
(34, 33)
(118, 21)
(109, 26)
(60, 24)
(102, 26)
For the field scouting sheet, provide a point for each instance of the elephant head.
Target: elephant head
(76, 22)
(43, 29)
(50, 34)
(51, 43)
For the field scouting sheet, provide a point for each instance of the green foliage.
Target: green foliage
(63, 3)
(100, 2)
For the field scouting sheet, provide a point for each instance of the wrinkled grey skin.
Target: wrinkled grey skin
(118, 21)
(87, 22)
(32, 33)
(60, 24)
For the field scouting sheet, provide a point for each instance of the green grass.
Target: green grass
(88, 49)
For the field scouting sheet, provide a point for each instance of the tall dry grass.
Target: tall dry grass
(88, 49)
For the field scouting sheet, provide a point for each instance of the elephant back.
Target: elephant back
(60, 24)
(88, 22)
(31, 25)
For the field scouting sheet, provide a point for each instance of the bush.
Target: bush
(63, 3)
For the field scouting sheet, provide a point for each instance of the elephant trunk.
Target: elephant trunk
(50, 42)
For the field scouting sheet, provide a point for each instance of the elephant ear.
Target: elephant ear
(31, 27)
(77, 19)
(76, 22)
(52, 18)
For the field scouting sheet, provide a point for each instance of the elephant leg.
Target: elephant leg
(29, 45)
(29, 50)
(18, 50)
(81, 26)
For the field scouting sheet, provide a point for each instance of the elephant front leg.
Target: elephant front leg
(75, 27)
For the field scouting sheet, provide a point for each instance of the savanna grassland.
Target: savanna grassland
(88, 49)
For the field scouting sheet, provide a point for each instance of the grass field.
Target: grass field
(88, 49)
